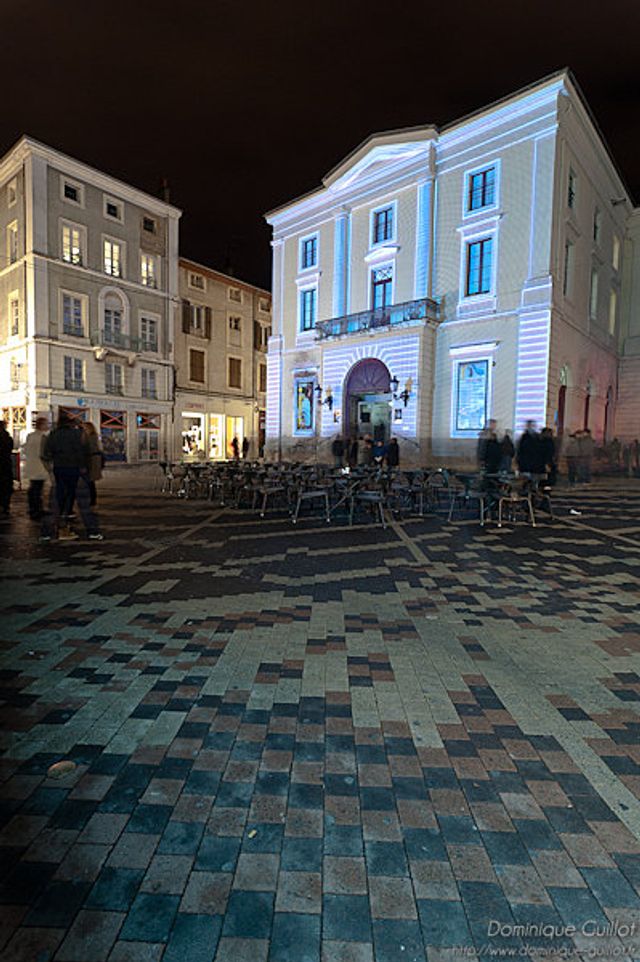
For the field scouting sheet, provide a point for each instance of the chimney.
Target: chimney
(165, 190)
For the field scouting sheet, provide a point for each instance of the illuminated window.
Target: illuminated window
(148, 270)
(593, 295)
(381, 287)
(72, 238)
(309, 252)
(479, 267)
(382, 225)
(112, 257)
(196, 366)
(72, 315)
(471, 396)
(12, 243)
(149, 386)
(482, 189)
(73, 374)
(613, 310)
(235, 372)
(571, 191)
(615, 258)
(308, 301)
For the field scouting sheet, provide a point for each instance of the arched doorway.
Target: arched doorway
(367, 394)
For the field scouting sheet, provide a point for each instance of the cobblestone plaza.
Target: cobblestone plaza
(321, 743)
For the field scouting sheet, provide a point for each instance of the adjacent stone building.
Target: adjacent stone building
(88, 292)
(220, 362)
(442, 277)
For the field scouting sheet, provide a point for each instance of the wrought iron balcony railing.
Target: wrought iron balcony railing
(422, 309)
(125, 342)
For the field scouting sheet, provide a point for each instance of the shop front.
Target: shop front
(193, 435)
(113, 433)
(235, 429)
(216, 437)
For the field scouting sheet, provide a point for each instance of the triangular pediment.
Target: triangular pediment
(378, 152)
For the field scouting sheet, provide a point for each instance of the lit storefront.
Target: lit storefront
(193, 434)
(235, 429)
(216, 437)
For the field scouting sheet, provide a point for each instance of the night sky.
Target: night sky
(243, 106)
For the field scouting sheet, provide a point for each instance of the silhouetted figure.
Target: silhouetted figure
(6, 468)
(529, 455)
(337, 450)
(235, 447)
(548, 454)
(393, 453)
(507, 451)
(245, 448)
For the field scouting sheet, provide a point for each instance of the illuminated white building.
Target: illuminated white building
(88, 293)
(442, 277)
(220, 361)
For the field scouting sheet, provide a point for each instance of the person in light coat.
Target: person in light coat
(35, 471)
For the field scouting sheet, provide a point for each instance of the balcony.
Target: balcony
(380, 318)
(73, 384)
(117, 389)
(123, 342)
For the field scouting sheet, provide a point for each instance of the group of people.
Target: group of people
(71, 458)
(357, 451)
(235, 447)
(535, 452)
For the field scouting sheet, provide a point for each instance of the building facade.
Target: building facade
(439, 278)
(220, 361)
(88, 293)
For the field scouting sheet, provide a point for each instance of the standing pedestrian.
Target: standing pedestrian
(528, 454)
(6, 468)
(393, 453)
(245, 447)
(94, 459)
(353, 453)
(66, 449)
(507, 451)
(337, 450)
(35, 470)
(548, 454)
(235, 447)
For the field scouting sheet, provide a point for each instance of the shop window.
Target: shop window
(192, 434)
(148, 426)
(471, 396)
(113, 431)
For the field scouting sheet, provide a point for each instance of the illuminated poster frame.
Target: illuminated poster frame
(471, 396)
(303, 405)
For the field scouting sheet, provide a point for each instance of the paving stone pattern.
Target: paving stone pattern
(320, 744)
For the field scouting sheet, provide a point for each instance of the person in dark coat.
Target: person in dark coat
(379, 450)
(6, 468)
(529, 456)
(235, 447)
(393, 453)
(508, 450)
(245, 447)
(337, 450)
(352, 449)
(548, 454)
(67, 450)
(492, 454)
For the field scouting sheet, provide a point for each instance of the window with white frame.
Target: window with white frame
(148, 333)
(593, 295)
(114, 378)
(567, 269)
(235, 294)
(571, 190)
(112, 257)
(382, 286)
(72, 192)
(113, 209)
(149, 270)
(309, 252)
(382, 225)
(264, 305)
(479, 267)
(14, 315)
(149, 385)
(12, 193)
(197, 281)
(73, 374)
(12, 242)
(470, 396)
(198, 315)
(308, 308)
(113, 326)
(149, 225)
(613, 311)
(235, 323)
(597, 226)
(481, 189)
(72, 314)
(73, 243)
(615, 257)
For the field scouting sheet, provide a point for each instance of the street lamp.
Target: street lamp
(405, 394)
(328, 399)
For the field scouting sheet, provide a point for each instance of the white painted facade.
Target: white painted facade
(478, 223)
(87, 301)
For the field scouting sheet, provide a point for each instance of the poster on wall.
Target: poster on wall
(304, 405)
(471, 400)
